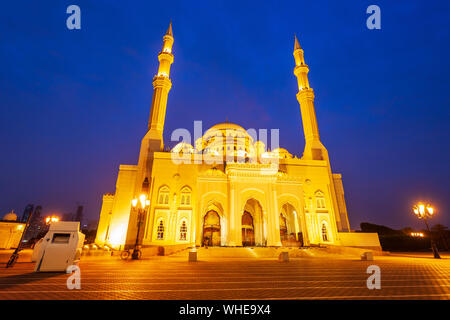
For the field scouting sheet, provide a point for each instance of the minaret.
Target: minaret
(161, 88)
(153, 139)
(314, 150)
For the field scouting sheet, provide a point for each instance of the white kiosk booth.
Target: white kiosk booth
(60, 248)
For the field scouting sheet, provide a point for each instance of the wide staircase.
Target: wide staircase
(274, 252)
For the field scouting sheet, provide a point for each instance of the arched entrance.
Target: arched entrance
(253, 224)
(290, 231)
(248, 232)
(211, 229)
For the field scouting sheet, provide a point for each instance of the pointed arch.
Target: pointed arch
(186, 196)
(215, 201)
(320, 199)
(163, 195)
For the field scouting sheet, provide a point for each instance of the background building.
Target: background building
(11, 230)
(37, 224)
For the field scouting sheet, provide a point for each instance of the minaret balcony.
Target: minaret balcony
(162, 81)
(303, 68)
(167, 56)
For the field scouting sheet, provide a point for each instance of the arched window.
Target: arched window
(185, 197)
(163, 197)
(324, 232)
(183, 231)
(320, 200)
(160, 230)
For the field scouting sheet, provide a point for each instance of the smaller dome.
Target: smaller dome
(214, 172)
(11, 216)
(183, 147)
(282, 153)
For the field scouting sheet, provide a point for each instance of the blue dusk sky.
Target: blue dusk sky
(75, 103)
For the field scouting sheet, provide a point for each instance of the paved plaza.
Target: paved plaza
(403, 276)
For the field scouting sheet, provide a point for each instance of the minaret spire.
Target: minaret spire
(161, 88)
(296, 44)
(169, 30)
(314, 150)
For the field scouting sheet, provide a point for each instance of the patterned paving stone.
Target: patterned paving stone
(402, 277)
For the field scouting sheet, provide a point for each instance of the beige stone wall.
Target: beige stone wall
(10, 233)
(360, 239)
(120, 221)
(104, 223)
(339, 187)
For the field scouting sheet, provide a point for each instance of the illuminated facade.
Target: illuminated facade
(195, 196)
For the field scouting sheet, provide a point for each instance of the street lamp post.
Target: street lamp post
(425, 212)
(141, 206)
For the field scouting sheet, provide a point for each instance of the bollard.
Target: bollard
(284, 256)
(367, 256)
(192, 256)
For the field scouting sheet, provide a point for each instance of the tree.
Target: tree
(442, 233)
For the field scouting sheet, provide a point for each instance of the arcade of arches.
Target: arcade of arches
(253, 226)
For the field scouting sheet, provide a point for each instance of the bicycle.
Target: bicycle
(127, 253)
(12, 260)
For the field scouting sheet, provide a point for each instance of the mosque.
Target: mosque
(228, 188)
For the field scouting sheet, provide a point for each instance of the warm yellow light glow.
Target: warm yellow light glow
(19, 227)
(142, 198)
(167, 50)
(115, 239)
(51, 219)
(162, 74)
(417, 234)
(134, 202)
(241, 153)
(422, 209)
(147, 202)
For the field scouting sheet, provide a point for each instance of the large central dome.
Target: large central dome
(226, 125)
(226, 137)
(229, 139)
(227, 129)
